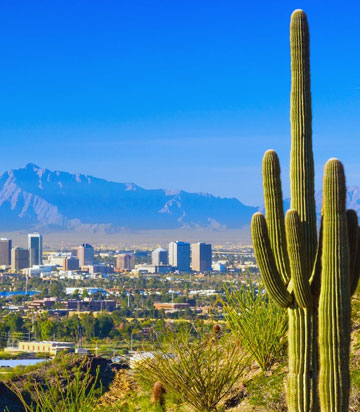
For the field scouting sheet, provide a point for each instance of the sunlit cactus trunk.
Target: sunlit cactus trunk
(303, 366)
(287, 265)
(334, 302)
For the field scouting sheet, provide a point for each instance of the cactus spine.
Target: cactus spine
(296, 267)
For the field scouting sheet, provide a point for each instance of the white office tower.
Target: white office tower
(35, 249)
(201, 257)
(159, 257)
(85, 255)
(179, 255)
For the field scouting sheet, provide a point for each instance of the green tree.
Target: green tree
(14, 322)
(47, 329)
(104, 325)
(57, 290)
(90, 325)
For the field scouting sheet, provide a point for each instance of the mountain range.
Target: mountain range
(33, 198)
(39, 199)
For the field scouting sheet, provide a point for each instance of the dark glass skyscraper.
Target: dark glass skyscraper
(5, 252)
(35, 249)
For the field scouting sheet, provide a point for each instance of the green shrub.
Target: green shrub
(258, 322)
(76, 392)
(199, 373)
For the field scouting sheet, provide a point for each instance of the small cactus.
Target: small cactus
(158, 397)
(217, 329)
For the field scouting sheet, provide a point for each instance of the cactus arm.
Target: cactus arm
(301, 158)
(315, 279)
(356, 273)
(334, 301)
(274, 212)
(266, 262)
(352, 224)
(295, 248)
(353, 232)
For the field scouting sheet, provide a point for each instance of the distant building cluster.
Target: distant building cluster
(181, 256)
(31, 258)
(178, 257)
(20, 258)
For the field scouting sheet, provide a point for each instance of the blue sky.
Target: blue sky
(176, 94)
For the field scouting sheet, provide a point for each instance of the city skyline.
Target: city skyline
(107, 82)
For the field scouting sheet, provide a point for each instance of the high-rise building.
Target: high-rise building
(71, 263)
(35, 249)
(201, 257)
(159, 257)
(5, 252)
(179, 255)
(125, 262)
(85, 255)
(19, 258)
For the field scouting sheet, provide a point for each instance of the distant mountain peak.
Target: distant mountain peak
(37, 198)
(32, 166)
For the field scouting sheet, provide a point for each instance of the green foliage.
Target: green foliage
(267, 390)
(138, 403)
(105, 323)
(14, 322)
(199, 373)
(258, 323)
(66, 392)
(8, 356)
(47, 329)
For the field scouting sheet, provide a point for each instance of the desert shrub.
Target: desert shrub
(198, 372)
(8, 356)
(65, 392)
(257, 322)
(135, 404)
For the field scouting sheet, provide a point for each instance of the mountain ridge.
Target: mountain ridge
(38, 198)
(35, 198)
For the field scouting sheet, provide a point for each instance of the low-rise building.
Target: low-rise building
(152, 269)
(171, 306)
(90, 305)
(45, 303)
(90, 291)
(51, 347)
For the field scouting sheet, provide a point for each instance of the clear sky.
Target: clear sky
(178, 94)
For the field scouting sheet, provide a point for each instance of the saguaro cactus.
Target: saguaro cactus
(286, 249)
(334, 302)
(290, 257)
